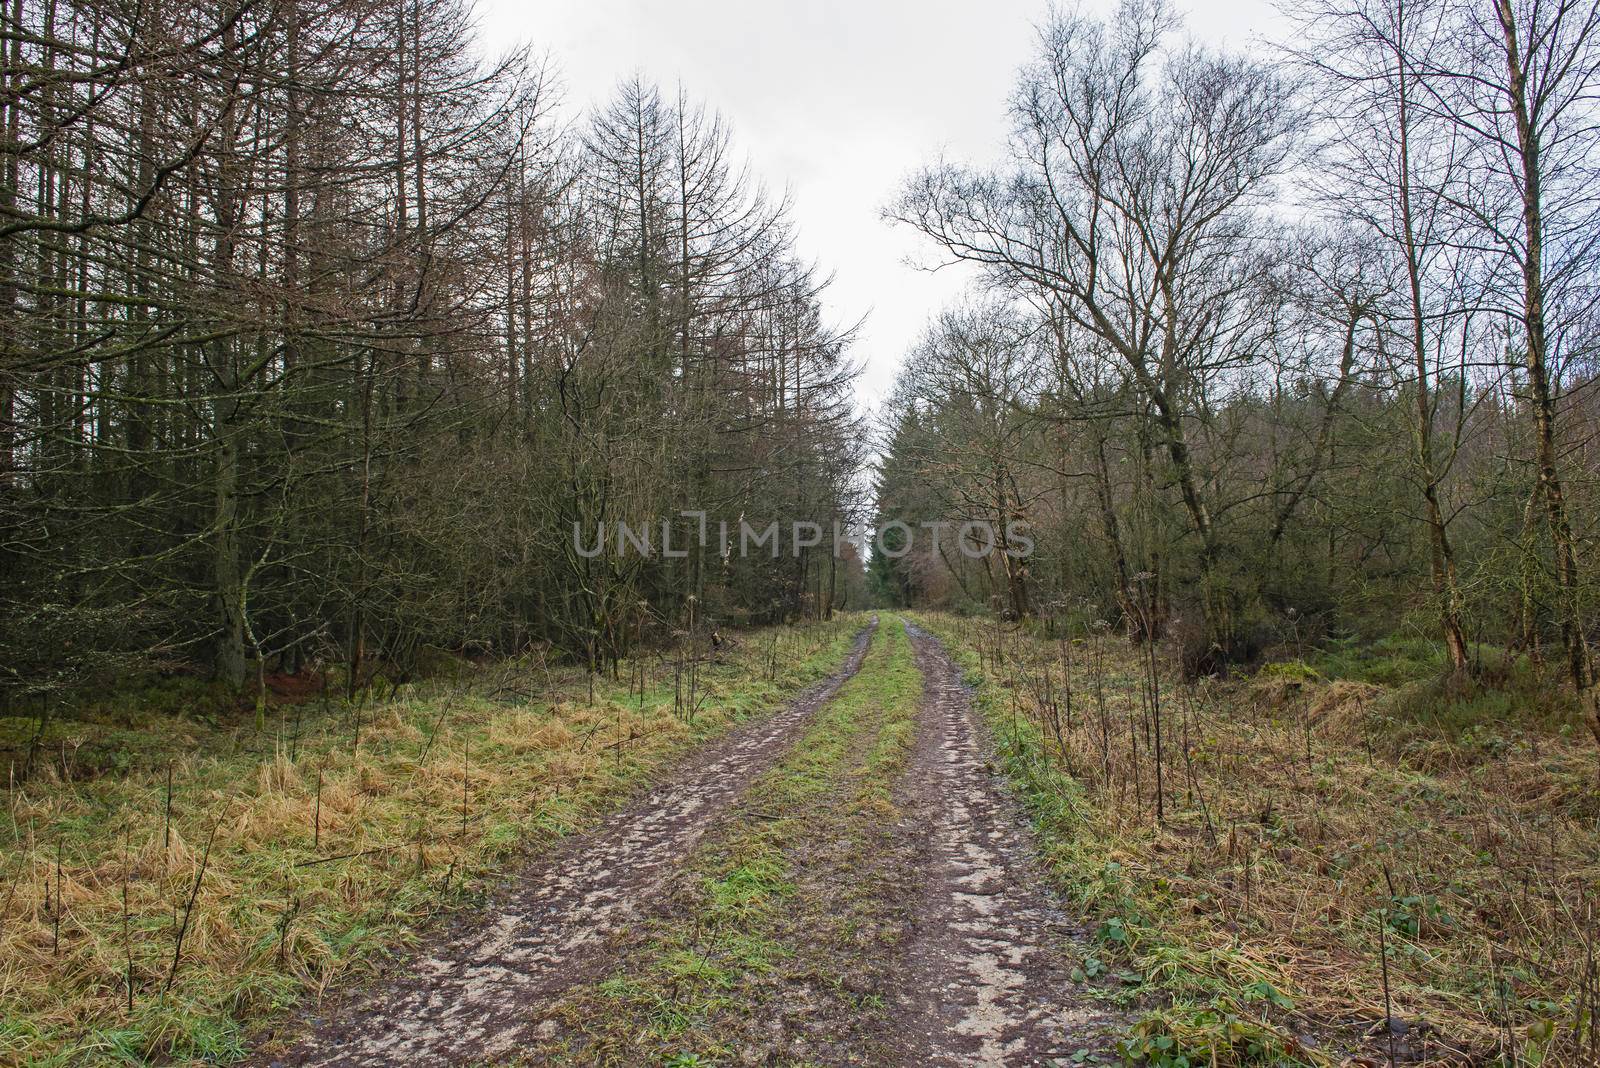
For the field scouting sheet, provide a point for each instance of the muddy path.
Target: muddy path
(985, 972)
(769, 948)
(912, 927)
(468, 998)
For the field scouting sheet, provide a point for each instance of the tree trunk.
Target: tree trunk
(227, 574)
(1446, 589)
(1539, 384)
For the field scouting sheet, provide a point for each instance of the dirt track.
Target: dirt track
(467, 998)
(976, 968)
(985, 979)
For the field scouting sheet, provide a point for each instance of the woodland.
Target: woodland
(331, 340)
(1274, 347)
(320, 334)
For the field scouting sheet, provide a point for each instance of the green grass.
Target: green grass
(1487, 714)
(684, 993)
(1423, 707)
(1388, 661)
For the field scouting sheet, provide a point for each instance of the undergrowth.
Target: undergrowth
(140, 923)
(1338, 865)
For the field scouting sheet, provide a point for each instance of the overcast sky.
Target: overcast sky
(834, 101)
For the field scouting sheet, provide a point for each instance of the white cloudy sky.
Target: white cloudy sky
(835, 100)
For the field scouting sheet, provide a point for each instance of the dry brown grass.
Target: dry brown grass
(322, 855)
(1291, 804)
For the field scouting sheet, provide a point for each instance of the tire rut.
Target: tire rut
(803, 1004)
(471, 998)
(818, 1007)
(984, 978)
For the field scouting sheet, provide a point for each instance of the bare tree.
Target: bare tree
(1387, 164)
(1140, 170)
(1521, 81)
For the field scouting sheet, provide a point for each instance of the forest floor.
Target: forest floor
(917, 840)
(802, 855)
(1343, 858)
(179, 874)
(846, 882)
